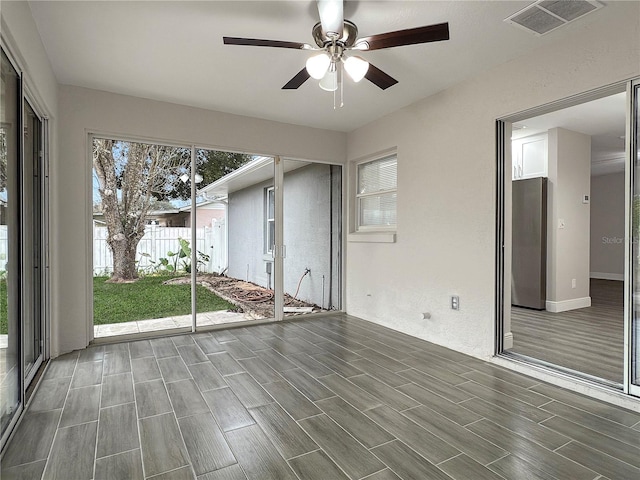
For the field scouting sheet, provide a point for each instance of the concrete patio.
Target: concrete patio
(157, 324)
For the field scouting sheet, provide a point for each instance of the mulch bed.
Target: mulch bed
(248, 297)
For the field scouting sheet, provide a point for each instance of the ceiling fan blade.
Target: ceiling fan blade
(256, 42)
(300, 77)
(331, 16)
(411, 36)
(379, 78)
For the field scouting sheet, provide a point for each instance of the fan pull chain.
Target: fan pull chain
(341, 87)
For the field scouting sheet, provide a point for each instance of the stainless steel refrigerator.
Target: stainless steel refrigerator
(529, 243)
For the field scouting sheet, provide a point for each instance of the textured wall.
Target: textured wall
(607, 226)
(568, 247)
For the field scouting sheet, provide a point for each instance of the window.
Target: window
(377, 194)
(270, 223)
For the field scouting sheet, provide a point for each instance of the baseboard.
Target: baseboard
(565, 305)
(607, 276)
(507, 341)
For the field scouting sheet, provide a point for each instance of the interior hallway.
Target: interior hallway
(332, 397)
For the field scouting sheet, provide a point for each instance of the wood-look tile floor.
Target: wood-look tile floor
(588, 340)
(327, 398)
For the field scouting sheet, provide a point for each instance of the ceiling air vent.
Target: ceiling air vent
(545, 15)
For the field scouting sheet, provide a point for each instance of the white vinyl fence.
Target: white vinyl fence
(158, 242)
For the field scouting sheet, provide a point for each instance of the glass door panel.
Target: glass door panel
(635, 235)
(141, 235)
(234, 235)
(312, 220)
(10, 337)
(32, 238)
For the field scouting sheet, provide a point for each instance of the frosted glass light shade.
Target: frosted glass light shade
(330, 81)
(356, 67)
(318, 65)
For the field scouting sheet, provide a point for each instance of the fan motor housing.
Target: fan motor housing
(349, 35)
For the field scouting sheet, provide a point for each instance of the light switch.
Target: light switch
(561, 224)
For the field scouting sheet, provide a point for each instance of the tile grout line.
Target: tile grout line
(446, 460)
(498, 459)
(593, 448)
(555, 450)
(175, 415)
(60, 419)
(98, 426)
(135, 404)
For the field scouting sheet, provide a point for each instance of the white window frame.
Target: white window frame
(268, 246)
(359, 196)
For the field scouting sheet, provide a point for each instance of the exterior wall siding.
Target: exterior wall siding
(309, 234)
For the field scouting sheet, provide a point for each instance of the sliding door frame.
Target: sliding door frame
(38, 308)
(279, 249)
(631, 350)
(26, 286)
(503, 245)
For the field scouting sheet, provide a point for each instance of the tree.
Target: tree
(133, 177)
(211, 165)
(130, 175)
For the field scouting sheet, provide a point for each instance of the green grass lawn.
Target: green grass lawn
(148, 298)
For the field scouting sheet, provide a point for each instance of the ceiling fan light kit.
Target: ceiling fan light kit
(334, 37)
(318, 65)
(329, 81)
(356, 67)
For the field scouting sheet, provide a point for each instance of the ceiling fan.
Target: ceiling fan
(334, 37)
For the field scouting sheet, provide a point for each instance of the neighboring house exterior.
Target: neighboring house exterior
(206, 213)
(312, 217)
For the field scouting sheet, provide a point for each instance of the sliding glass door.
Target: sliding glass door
(216, 237)
(233, 231)
(33, 234)
(578, 314)
(633, 331)
(312, 229)
(22, 244)
(10, 334)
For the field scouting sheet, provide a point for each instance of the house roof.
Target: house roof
(173, 51)
(259, 170)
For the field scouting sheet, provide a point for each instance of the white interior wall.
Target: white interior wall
(447, 186)
(83, 111)
(568, 245)
(607, 226)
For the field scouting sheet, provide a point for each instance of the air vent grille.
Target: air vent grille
(544, 16)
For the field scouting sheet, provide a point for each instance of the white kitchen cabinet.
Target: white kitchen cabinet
(529, 157)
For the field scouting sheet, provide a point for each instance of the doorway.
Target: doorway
(564, 237)
(214, 237)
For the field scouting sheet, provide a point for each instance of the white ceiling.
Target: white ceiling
(603, 119)
(173, 51)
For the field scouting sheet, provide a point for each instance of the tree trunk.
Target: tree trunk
(124, 259)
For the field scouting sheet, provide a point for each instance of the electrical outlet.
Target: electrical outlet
(455, 302)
